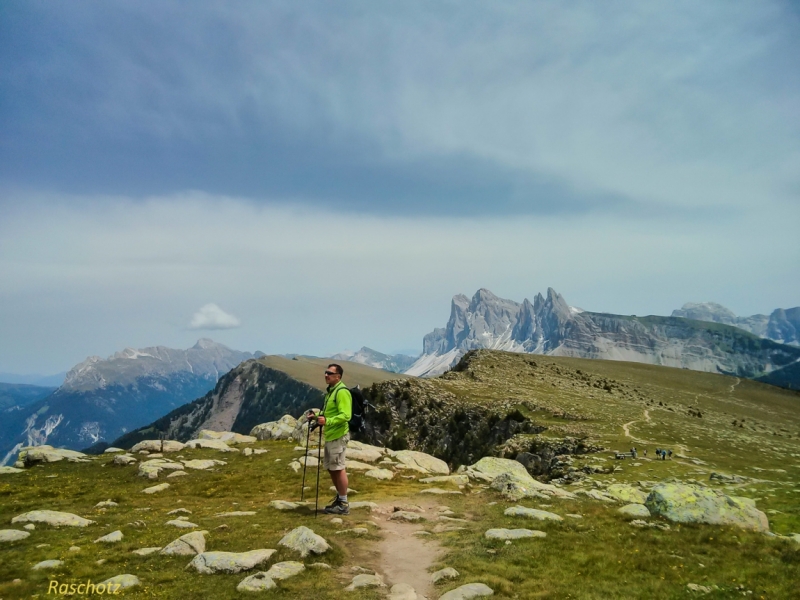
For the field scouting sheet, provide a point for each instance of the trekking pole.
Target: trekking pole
(319, 461)
(305, 459)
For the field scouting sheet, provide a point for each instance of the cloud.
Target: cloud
(212, 316)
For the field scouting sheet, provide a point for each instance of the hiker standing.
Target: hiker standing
(334, 419)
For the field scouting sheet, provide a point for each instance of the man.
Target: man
(334, 419)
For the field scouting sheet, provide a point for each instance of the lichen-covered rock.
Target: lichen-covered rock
(285, 505)
(31, 455)
(635, 510)
(187, 545)
(513, 534)
(181, 524)
(156, 488)
(152, 468)
(363, 504)
(284, 570)
(12, 535)
(113, 450)
(532, 513)
(686, 503)
(120, 582)
(365, 580)
(365, 452)
(356, 465)
(454, 479)
(157, 446)
(47, 564)
(123, 460)
(467, 592)
(304, 540)
(514, 487)
(229, 437)
(626, 493)
(147, 551)
(229, 562)
(10, 470)
(446, 573)
(259, 582)
(404, 515)
(52, 517)
(282, 429)
(489, 467)
(106, 504)
(383, 474)
(419, 461)
(210, 445)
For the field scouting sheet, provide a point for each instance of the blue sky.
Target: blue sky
(329, 175)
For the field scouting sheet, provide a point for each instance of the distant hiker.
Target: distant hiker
(645, 451)
(335, 417)
(633, 452)
(670, 454)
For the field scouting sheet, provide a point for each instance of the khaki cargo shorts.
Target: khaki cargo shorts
(334, 453)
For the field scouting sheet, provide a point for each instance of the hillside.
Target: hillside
(256, 391)
(729, 436)
(15, 396)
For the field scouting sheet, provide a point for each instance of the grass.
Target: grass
(598, 556)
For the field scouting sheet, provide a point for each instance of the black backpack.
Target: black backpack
(356, 423)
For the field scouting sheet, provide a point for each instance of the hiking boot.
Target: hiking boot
(333, 503)
(339, 507)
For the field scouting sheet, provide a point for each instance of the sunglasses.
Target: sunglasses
(327, 373)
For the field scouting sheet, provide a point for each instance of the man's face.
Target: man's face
(331, 376)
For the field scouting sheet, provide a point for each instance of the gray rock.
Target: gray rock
(210, 445)
(120, 582)
(156, 488)
(52, 517)
(513, 534)
(365, 452)
(384, 474)
(284, 570)
(438, 491)
(106, 504)
(157, 446)
(114, 536)
(402, 591)
(32, 455)
(259, 582)
(147, 551)
(112, 450)
(12, 535)
(446, 573)
(236, 513)
(29, 527)
(419, 461)
(10, 470)
(202, 465)
(47, 564)
(364, 580)
(177, 474)
(180, 511)
(304, 540)
(532, 513)
(229, 437)
(229, 562)
(626, 493)
(282, 429)
(181, 524)
(152, 468)
(683, 503)
(284, 505)
(363, 504)
(408, 517)
(123, 460)
(466, 592)
(635, 510)
(187, 545)
(454, 479)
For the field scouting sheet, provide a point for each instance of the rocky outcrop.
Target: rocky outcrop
(52, 517)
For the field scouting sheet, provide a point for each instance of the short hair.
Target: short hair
(339, 368)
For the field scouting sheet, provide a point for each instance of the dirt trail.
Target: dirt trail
(738, 381)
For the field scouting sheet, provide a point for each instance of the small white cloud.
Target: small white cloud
(212, 316)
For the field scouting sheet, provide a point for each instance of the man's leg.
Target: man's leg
(339, 479)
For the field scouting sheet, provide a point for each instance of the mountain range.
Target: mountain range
(396, 363)
(101, 399)
(548, 325)
(782, 326)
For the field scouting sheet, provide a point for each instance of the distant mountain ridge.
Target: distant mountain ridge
(396, 363)
(782, 325)
(548, 325)
(103, 398)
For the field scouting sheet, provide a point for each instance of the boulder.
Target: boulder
(282, 429)
(32, 455)
(113, 450)
(489, 467)
(259, 582)
(210, 445)
(686, 503)
(156, 488)
(284, 570)
(365, 580)
(152, 468)
(419, 461)
(454, 479)
(383, 474)
(114, 536)
(123, 460)
(202, 465)
(10, 470)
(466, 592)
(402, 591)
(408, 517)
(52, 517)
(355, 465)
(626, 493)
(47, 564)
(532, 513)
(635, 510)
(446, 573)
(285, 505)
(147, 551)
(187, 545)
(363, 504)
(365, 452)
(12, 535)
(229, 437)
(106, 504)
(304, 540)
(438, 491)
(157, 446)
(513, 534)
(236, 513)
(229, 562)
(181, 524)
(120, 582)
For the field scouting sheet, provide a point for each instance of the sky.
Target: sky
(312, 177)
